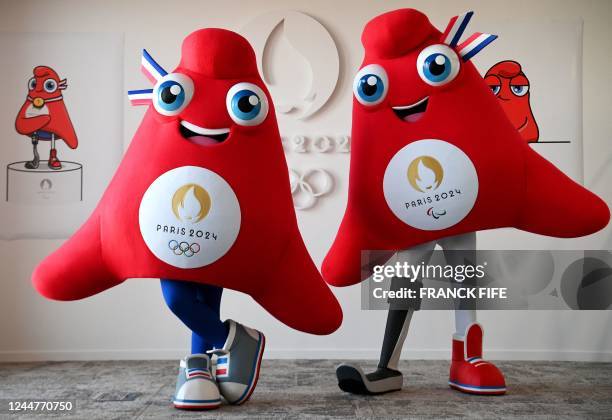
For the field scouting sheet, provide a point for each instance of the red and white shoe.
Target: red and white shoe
(469, 372)
(54, 162)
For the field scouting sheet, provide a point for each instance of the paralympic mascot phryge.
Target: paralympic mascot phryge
(202, 201)
(435, 159)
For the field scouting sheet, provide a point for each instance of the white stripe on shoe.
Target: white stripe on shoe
(478, 389)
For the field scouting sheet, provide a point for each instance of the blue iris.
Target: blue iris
(370, 88)
(246, 105)
(519, 90)
(437, 67)
(171, 95)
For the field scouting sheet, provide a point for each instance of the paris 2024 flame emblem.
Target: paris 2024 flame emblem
(425, 174)
(191, 203)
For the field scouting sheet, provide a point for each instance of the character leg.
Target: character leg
(54, 162)
(197, 306)
(33, 164)
(463, 319)
(236, 350)
(387, 378)
(461, 250)
(469, 373)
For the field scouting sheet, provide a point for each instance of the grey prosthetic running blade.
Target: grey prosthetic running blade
(352, 379)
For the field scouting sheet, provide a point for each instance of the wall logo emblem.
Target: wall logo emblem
(46, 184)
(309, 186)
(298, 59)
(430, 184)
(191, 203)
(199, 222)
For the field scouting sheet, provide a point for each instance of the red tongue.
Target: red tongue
(413, 117)
(202, 140)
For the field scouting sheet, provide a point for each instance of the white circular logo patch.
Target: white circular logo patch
(430, 184)
(189, 217)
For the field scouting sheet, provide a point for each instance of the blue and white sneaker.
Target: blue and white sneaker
(196, 388)
(238, 362)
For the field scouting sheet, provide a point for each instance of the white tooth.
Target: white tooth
(203, 130)
(400, 108)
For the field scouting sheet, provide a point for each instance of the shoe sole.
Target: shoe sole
(350, 380)
(249, 391)
(193, 405)
(476, 390)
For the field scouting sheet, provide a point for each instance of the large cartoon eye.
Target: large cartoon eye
(438, 65)
(520, 90)
(32, 84)
(172, 94)
(495, 89)
(247, 104)
(371, 85)
(50, 85)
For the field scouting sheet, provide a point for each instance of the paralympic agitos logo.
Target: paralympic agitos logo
(425, 174)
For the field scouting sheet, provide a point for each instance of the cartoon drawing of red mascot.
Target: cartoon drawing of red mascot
(510, 85)
(43, 116)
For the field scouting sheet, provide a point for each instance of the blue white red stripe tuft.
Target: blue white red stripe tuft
(140, 96)
(153, 71)
(455, 28)
(474, 44)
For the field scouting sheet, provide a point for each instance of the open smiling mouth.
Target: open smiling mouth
(411, 113)
(203, 136)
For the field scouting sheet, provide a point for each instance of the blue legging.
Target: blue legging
(197, 305)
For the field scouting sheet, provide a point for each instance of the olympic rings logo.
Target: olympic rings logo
(309, 186)
(183, 248)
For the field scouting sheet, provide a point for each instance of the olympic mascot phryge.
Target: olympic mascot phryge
(435, 159)
(202, 201)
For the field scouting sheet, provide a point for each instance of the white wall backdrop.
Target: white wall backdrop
(131, 321)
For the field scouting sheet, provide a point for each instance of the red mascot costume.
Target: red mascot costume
(435, 158)
(202, 197)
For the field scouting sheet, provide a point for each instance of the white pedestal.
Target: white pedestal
(44, 185)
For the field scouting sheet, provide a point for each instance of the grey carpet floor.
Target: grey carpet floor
(308, 389)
